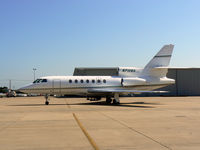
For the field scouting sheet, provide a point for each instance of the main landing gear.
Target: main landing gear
(108, 100)
(47, 99)
(115, 100)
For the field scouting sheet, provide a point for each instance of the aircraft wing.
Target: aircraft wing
(122, 91)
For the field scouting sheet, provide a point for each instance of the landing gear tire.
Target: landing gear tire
(115, 102)
(108, 100)
(47, 103)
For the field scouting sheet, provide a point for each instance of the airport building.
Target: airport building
(187, 79)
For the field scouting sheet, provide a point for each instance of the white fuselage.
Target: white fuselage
(79, 85)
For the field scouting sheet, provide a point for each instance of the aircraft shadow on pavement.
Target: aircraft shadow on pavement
(101, 103)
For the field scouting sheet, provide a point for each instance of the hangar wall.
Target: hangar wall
(187, 79)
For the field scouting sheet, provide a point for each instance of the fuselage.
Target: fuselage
(79, 85)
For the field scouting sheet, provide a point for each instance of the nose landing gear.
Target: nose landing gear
(47, 99)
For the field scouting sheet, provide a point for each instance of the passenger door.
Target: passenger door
(56, 86)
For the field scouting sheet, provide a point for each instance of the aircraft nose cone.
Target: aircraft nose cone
(24, 89)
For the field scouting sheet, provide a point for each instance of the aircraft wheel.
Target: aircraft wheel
(108, 100)
(115, 101)
(46, 103)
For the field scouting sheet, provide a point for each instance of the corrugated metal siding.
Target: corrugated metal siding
(185, 86)
(188, 82)
(172, 88)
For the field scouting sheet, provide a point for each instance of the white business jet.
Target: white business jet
(130, 80)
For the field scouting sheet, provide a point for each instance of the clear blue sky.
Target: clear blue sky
(55, 36)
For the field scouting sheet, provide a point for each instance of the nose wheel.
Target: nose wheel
(47, 103)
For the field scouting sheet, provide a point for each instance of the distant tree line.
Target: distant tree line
(3, 89)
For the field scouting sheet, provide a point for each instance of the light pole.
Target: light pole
(34, 69)
(10, 85)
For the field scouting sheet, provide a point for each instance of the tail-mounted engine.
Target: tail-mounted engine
(132, 81)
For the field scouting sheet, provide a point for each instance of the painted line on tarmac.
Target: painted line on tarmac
(150, 138)
(92, 142)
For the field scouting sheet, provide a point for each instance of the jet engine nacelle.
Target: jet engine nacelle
(133, 81)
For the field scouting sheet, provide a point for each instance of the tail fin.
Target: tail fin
(158, 65)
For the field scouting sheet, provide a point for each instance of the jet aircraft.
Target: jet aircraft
(133, 80)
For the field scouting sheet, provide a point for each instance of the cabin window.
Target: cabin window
(44, 80)
(104, 81)
(98, 81)
(81, 81)
(70, 81)
(93, 81)
(76, 81)
(87, 81)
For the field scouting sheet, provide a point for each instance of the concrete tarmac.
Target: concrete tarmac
(140, 123)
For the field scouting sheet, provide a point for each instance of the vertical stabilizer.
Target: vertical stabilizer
(158, 65)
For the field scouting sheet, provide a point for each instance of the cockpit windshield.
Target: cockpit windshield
(40, 81)
(36, 81)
